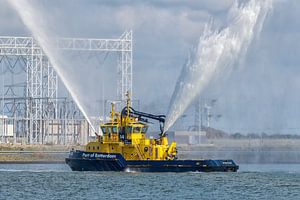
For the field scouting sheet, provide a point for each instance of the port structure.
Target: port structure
(31, 111)
(203, 113)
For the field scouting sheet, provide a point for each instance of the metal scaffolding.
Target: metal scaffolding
(123, 46)
(32, 109)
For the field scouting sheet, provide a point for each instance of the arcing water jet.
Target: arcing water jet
(216, 52)
(34, 22)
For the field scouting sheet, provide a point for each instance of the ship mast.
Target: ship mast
(128, 102)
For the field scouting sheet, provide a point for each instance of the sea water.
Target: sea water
(57, 181)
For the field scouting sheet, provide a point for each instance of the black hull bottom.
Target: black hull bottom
(83, 161)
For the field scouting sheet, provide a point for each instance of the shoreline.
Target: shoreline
(250, 151)
(33, 162)
(63, 162)
(240, 157)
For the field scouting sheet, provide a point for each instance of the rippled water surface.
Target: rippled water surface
(56, 181)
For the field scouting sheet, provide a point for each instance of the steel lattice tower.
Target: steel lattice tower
(33, 111)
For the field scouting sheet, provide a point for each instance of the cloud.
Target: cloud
(164, 31)
(10, 23)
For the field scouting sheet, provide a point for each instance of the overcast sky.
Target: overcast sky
(261, 94)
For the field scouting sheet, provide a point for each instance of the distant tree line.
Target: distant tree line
(263, 135)
(212, 133)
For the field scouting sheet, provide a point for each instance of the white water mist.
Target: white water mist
(216, 52)
(34, 22)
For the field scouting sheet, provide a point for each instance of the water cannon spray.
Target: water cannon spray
(216, 52)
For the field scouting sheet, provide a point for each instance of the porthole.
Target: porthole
(145, 149)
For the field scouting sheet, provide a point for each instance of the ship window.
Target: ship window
(128, 129)
(136, 129)
(144, 129)
(114, 129)
(109, 130)
(103, 130)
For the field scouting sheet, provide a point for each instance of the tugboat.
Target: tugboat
(124, 146)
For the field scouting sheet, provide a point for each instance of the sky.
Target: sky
(260, 95)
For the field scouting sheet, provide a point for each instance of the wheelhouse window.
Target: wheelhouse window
(115, 129)
(103, 129)
(128, 129)
(144, 129)
(109, 130)
(136, 129)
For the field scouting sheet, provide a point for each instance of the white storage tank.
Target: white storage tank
(6, 129)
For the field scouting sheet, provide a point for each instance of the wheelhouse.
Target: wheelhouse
(113, 132)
